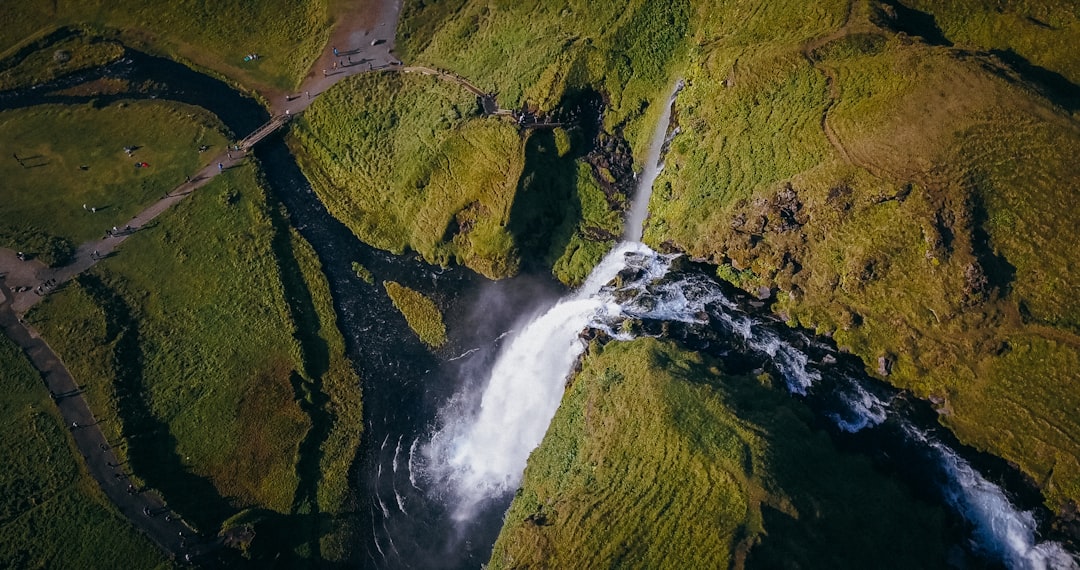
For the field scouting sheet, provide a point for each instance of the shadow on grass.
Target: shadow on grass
(839, 510)
(1000, 273)
(1050, 84)
(546, 208)
(917, 23)
(276, 539)
(307, 391)
(151, 447)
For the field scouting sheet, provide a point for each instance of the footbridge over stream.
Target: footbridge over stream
(267, 129)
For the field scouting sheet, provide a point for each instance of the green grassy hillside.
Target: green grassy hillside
(565, 198)
(52, 513)
(286, 34)
(1041, 33)
(657, 459)
(208, 342)
(910, 199)
(900, 174)
(405, 163)
(62, 161)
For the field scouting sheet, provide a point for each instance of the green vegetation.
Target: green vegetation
(243, 399)
(563, 217)
(51, 57)
(363, 272)
(420, 312)
(1042, 32)
(623, 48)
(910, 199)
(657, 459)
(286, 34)
(52, 513)
(452, 187)
(47, 194)
(404, 162)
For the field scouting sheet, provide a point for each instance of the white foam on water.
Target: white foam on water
(397, 451)
(382, 506)
(375, 539)
(411, 464)
(487, 454)
(867, 410)
(400, 502)
(463, 354)
(1001, 531)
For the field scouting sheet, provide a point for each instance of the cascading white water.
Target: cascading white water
(639, 206)
(1001, 530)
(485, 456)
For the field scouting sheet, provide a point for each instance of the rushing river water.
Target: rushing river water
(446, 435)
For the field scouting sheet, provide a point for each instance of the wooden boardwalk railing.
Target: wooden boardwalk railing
(264, 131)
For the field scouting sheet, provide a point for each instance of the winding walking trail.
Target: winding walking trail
(173, 535)
(354, 36)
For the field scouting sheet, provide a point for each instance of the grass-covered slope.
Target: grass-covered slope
(405, 163)
(913, 200)
(657, 459)
(208, 341)
(1041, 34)
(61, 162)
(535, 52)
(52, 513)
(286, 34)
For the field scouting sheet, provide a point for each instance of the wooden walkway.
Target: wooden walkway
(267, 129)
(487, 100)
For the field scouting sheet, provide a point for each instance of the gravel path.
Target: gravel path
(23, 283)
(160, 525)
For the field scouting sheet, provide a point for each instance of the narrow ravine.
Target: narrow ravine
(476, 457)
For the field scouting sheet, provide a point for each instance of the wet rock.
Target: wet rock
(828, 359)
(884, 365)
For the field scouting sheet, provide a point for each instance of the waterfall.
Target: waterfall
(480, 454)
(639, 206)
(484, 456)
(1001, 531)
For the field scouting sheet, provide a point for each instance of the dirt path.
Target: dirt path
(853, 23)
(365, 23)
(160, 525)
(29, 281)
(364, 39)
(830, 80)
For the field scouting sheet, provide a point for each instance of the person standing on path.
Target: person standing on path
(220, 167)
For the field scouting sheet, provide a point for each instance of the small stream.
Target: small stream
(409, 516)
